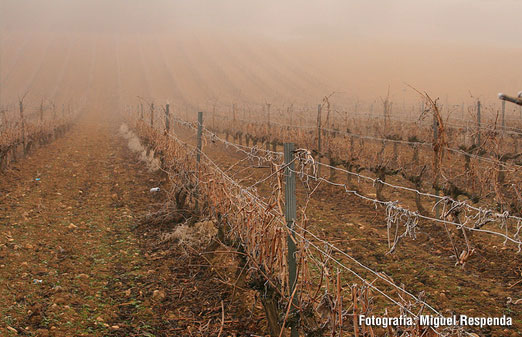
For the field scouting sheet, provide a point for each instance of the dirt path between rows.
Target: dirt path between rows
(73, 263)
(70, 263)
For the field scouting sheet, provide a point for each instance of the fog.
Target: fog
(252, 51)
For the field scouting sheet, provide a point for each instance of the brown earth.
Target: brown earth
(490, 284)
(72, 263)
(73, 260)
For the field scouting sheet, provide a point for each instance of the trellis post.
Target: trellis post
(319, 139)
(167, 118)
(198, 153)
(503, 115)
(268, 114)
(478, 123)
(41, 111)
(22, 120)
(152, 115)
(213, 117)
(200, 133)
(290, 217)
(435, 139)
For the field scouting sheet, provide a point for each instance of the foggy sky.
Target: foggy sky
(487, 22)
(450, 47)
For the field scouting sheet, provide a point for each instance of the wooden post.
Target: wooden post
(152, 115)
(290, 216)
(41, 111)
(4, 117)
(385, 113)
(214, 117)
(22, 120)
(267, 144)
(167, 118)
(200, 132)
(435, 137)
(478, 123)
(319, 139)
(198, 154)
(141, 111)
(503, 115)
(268, 114)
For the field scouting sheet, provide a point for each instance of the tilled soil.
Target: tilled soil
(489, 285)
(74, 262)
(71, 263)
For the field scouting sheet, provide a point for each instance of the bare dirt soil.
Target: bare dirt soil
(72, 262)
(490, 284)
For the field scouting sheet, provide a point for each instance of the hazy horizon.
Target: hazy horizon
(484, 22)
(454, 49)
